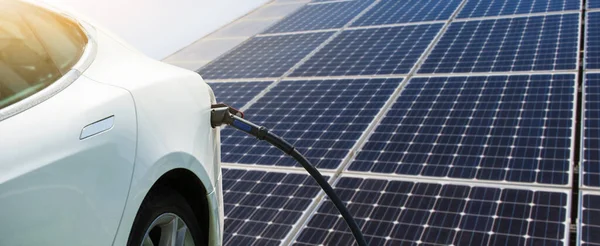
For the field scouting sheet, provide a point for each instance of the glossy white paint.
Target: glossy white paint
(173, 112)
(56, 189)
(54, 185)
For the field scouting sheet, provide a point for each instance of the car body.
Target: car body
(79, 154)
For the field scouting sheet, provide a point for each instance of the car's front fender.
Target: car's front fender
(146, 176)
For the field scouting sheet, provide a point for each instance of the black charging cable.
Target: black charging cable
(223, 114)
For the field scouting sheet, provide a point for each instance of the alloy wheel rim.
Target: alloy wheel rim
(168, 229)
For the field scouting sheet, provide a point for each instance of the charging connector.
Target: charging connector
(223, 114)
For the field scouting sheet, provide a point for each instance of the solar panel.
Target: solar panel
(320, 16)
(323, 1)
(258, 57)
(388, 50)
(592, 44)
(477, 148)
(261, 208)
(589, 231)
(393, 12)
(237, 94)
(500, 45)
(480, 8)
(515, 128)
(590, 175)
(409, 213)
(322, 118)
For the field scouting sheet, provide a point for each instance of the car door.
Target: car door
(67, 143)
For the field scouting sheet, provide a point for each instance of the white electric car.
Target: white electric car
(100, 145)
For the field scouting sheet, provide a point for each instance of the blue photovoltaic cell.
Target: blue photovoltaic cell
(592, 43)
(393, 11)
(407, 213)
(590, 220)
(501, 45)
(480, 8)
(516, 128)
(322, 118)
(592, 4)
(263, 56)
(320, 16)
(591, 139)
(388, 50)
(237, 94)
(262, 207)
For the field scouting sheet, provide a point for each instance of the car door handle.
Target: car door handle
(97, 127)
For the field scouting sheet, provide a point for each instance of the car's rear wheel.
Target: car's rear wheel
(165, 219)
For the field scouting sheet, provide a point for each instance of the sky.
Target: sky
(159, 28)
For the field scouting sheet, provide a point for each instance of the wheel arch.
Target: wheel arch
(176, 169)
(187, 184)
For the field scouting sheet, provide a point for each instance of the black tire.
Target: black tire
(159, 201)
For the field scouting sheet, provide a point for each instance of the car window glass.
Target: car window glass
(25, 66)
(36, 49)
(63, 39)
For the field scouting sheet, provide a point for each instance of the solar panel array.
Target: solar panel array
(320, 16)
(322, 118)
(481, 8)
(590, 219)
(373, 51)
(262, 207)
(402, 212)
(458, 122)
(394, 12)
(590, 171)
(507, 45)
(237, 94)
(592, 44)
(259, 57)
(515, 128)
